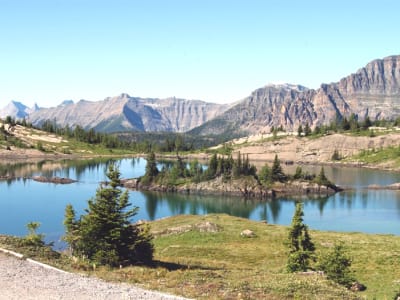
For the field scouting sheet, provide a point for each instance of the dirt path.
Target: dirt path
(20, 279)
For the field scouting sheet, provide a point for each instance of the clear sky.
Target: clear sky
(213, 50)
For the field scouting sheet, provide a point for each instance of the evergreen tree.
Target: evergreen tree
(336, 265)
(105, 234)
(265, 174)
(300, 130)
(307, 130)
(71, 227)
(276, 171)
(237, 166)
(298, 173)
(212, 166)
(151, 166)
(321, 178)
(301, 248)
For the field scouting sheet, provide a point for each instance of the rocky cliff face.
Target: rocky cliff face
(372, 91)
(123, 113)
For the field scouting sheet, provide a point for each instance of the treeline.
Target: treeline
(224, 166)
(347, 124)
(141, 142)
(180, 171)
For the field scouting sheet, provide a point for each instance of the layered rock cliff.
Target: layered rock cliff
(125, 113)
(372, 91)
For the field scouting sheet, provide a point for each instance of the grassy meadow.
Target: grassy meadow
(205, 257)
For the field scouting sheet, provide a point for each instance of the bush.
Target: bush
(336, 265)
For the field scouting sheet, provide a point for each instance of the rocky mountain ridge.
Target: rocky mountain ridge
(372, 91)
(125, 113)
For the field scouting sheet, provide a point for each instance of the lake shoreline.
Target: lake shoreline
(247, 187)
(17, 155)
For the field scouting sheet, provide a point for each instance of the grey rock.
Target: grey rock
(372, 91)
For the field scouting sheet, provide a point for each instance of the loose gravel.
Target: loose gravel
(20, 279)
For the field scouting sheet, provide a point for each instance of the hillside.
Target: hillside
(378, 151)
(19, 142)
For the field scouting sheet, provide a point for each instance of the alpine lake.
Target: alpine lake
(357, 209)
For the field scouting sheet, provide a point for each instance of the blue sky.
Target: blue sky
(217, 50)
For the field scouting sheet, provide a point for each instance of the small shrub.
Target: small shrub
(336, 265)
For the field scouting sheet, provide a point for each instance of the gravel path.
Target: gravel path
(20, 279)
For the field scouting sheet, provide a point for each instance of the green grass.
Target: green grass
(224, 265)
(377, 156)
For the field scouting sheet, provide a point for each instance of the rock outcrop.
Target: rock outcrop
(247, 187)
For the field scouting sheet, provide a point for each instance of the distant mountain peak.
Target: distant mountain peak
(286, 86)
(14, 109)
(66, 102)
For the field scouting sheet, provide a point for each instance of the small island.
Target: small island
(227, 176)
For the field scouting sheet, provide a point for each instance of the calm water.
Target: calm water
(22, 201)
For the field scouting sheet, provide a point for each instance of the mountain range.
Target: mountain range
(372, 91)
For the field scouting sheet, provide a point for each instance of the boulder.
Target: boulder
(247, 233)
(357, 287)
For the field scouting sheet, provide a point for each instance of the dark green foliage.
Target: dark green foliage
(196, 171)
(277, 173)
(71, 227)
(321, 179)
(298, 173)
(336, 266)
(307, 130)
(10, 120)
(212, 166)
(151, 166)
(300, 130)
(105, 234)
(336, 155)
(265, 174)
(301, 248)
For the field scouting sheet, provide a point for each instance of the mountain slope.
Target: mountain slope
(125, 113)
(17, 110)
(372, 91)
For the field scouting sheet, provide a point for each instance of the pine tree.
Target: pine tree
(307, 130)
(300, 130)
(301, 248)
(336, 265)
(151, 166)
(71, 227)
(265, 174)
(105, 234)
(276, 171)
(212, 166)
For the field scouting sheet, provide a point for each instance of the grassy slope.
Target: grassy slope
(224, 265)
(51, 143)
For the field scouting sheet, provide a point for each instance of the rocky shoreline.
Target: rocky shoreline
(246, 187)
(56, 180)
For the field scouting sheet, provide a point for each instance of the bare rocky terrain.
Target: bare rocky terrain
(20, 279)
(316, 150)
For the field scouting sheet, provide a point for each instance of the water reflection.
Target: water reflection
(358, 209)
